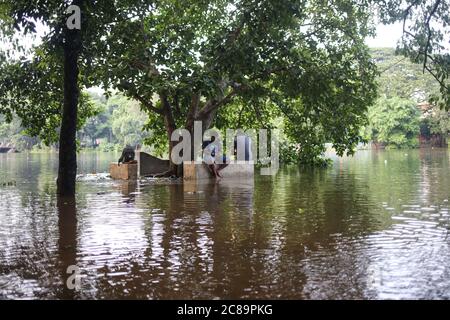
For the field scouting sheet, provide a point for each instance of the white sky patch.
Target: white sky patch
(387, 36)
(27, 41)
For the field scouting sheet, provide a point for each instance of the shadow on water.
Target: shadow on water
(67, 243)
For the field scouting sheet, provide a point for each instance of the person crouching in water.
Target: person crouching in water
(210, 152)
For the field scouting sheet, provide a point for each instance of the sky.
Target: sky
(387, 36)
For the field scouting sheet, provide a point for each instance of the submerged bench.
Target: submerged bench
(200, 171)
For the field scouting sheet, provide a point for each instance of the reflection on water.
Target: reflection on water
(372, 226)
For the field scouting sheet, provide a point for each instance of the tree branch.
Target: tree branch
(214, 104)
(240, 116)
(392, 65)
(427, 24)
(430, 71)
(405, 17)
(443, 84)
(176, 103)
(134, 94)
(193, 109)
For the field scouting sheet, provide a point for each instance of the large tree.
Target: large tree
(42, 86)
(304, 61)
(30, 86)
(72, 46)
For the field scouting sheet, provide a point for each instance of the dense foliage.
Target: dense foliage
(31, 78)
(119, 122)
(395, 118)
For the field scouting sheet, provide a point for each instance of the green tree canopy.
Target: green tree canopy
(400, 77)
(61, 63)
(230, 63)
(394, 122)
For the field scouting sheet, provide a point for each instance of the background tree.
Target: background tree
(401, 78)
(11, 133)
(394, 122)
(436, 126)
(425, 38)
(127, 121)
(97, 126)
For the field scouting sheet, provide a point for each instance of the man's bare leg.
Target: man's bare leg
(221, 167)
(212, 168)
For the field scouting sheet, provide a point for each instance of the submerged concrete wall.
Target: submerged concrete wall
(126, 171)
(150, 165)
(200, 171)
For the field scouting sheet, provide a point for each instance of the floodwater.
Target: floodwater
(374, 226)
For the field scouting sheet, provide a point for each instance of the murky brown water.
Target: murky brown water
(372, 226)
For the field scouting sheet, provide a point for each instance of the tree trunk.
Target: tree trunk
(207, 120)
(67, 139)
(170, 128)
(193, 115)
(169, 122)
